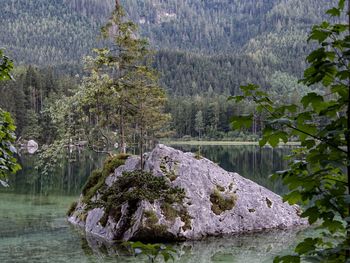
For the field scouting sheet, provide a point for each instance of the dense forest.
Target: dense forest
(204, 51)
(65, 31)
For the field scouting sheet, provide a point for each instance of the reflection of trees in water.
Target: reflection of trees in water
(68, 178)
(252, 162)
(249, 161)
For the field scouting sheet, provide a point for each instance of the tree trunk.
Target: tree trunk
(141, 146)
(122, 133)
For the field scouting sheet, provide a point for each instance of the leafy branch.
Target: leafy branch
(319, 171)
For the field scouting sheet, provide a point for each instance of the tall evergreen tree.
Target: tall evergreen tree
(199, 124)
(138, 98)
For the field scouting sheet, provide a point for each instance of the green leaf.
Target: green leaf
(314, 99)
(319, 35)
(287, 259)
(240, 122)
(318, 54)
(281, 121)
(275, 138)
(308, 245)
(292, 198)
(341, 4)
(236, 98)
(262, 141)
(312, 214)
(333, 225)
(333, 12)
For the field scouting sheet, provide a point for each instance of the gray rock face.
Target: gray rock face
(217, 203)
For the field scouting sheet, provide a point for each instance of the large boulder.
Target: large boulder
(181, 196)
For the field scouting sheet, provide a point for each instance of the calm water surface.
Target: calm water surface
(33, 226)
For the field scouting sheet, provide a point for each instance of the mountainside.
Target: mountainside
(56, 32)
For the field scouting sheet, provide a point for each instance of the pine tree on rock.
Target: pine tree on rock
(130, 98)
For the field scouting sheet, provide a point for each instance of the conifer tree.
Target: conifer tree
(139, 100)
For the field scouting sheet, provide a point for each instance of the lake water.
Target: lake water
(33, 227)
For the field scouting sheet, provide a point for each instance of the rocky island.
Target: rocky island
(179, 196)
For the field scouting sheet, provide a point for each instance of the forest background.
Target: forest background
(205, 50)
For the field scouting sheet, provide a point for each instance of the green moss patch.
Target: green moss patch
(222, 202)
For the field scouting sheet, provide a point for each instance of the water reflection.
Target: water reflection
(33, 227)
(248, 248)
(67, 179)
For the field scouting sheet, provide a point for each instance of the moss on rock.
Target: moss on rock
(186, 218)
(82, 216)
(72, 208)
(222, 202)
(170, 174)
(98, 177)
(171, 213)
(220, 188)
(151, 218)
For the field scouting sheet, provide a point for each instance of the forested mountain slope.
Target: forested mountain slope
(55, 32)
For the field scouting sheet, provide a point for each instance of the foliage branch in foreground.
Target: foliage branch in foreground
(8, 163)
(6, 65)
(319, 171)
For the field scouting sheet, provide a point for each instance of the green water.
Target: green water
(33, 226)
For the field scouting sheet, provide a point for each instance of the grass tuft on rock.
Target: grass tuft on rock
(169, 212)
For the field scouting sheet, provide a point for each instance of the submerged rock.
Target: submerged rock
(32, 146)
(180, 196)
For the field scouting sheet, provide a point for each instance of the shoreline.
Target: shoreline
(223, 143)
